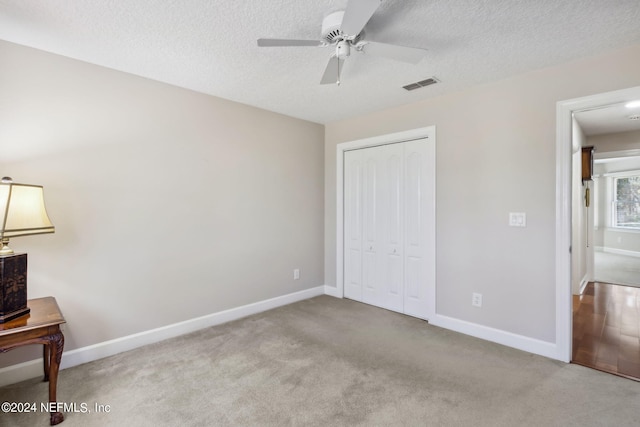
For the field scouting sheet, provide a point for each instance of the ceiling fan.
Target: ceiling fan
(343, 30)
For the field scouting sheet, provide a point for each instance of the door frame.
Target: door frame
(392, 138)
(564, 115)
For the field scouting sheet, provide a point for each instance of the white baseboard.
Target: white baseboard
(509, 339)
(583, 284)
(33, 368)
(331, 291)
(531, 345)
(621, 252)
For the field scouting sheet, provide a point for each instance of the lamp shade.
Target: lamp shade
(22, 210)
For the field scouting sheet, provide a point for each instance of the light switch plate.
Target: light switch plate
(517, 219)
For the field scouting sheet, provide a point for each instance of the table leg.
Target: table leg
(56, 344)
(46, 357)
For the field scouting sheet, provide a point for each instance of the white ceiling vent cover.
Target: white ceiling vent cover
(422, 83)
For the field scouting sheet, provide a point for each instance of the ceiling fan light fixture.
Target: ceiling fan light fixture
(343, 49)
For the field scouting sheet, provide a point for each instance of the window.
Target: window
(626, 204)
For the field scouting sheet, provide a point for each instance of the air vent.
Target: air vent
(337, 35)
(421, 83)
(333, 35)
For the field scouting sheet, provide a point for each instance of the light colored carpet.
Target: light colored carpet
(616, 269)
(332, 362)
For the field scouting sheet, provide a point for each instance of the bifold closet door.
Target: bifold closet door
(384, 232)
(353, 224)
(382, 216)
(419, 226)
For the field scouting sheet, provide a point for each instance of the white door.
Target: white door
(371, 171)
(353, 224)
(388, 211)
(391, 208)
(420, 257)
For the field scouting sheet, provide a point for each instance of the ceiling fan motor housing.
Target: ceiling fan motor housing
(331, 29)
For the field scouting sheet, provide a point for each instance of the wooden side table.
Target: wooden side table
(41, 326)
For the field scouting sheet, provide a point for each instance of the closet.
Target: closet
(389, 226)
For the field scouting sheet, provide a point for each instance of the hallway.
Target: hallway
(606, 329)
(616, 268)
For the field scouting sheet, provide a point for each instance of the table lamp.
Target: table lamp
(22, 213)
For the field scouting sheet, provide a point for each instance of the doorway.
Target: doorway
(606, 315)
(565, 199)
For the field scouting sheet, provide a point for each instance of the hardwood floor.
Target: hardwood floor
(606, 329)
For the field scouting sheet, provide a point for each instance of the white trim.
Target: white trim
(621, 252)
(598, 157)
(583, 284)
(420, 133)
(564, 145)
(623, 174)
(564, 113)
(622, 230)
(531, 345)
(332, 291)
(33, 368)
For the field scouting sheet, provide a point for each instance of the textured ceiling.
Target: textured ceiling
(210, 45)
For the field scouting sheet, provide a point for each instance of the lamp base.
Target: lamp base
(13, 286)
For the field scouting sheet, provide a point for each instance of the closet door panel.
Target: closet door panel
(353, 171)
(371, 219)
(391, 206)
(412, 279)
(419, 232)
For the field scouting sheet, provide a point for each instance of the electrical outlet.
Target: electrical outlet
(476, 299)
(296, 274)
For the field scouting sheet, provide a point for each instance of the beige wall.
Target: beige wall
(619, 141)
(495, 155)
(168, 204)
(171, 204)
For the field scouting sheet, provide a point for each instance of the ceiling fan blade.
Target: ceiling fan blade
(287, 42)
(357, 15)
(332, 72)
(412, 55)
